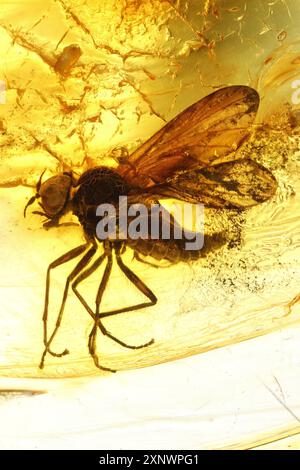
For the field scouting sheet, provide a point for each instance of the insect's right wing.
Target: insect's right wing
(238, 185)
(206, 133)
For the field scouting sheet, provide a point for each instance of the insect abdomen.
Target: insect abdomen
(176, 250)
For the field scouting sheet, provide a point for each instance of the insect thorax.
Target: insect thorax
(97, 186)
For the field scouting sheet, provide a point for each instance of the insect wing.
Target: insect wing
(238, 184)
(203, 134)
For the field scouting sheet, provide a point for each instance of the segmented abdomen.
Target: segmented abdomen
(176, 250)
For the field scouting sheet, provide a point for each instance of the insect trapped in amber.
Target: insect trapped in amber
(191, 159)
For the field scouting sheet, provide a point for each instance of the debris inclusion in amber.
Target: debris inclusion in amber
(83, 78)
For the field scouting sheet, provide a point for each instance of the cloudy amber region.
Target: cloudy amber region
(87, 82)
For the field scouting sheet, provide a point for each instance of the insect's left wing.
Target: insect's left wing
(202, 135)
(238, 184)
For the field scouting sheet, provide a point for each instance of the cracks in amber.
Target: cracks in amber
(23, 40)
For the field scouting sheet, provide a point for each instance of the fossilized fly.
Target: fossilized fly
(193, 159)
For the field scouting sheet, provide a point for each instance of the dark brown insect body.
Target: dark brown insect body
(191, 159)
(96, 186)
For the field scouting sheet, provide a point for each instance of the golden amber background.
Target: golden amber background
(141, 63)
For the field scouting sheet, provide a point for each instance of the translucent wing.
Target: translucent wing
(238, 184)
(200, 136)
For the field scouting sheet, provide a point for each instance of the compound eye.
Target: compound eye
(55, 193)
(53, 199)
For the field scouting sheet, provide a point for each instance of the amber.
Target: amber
(83, 80)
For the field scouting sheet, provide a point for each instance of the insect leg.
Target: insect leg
(98, 322)
(86, 273)
(83, 275)
(59, 261)
(55, 223)
(97, 317)
(137, 256)
(141, 287)
(42, 214)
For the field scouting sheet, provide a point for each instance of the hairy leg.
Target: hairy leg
(97, 317)
(61, 260)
